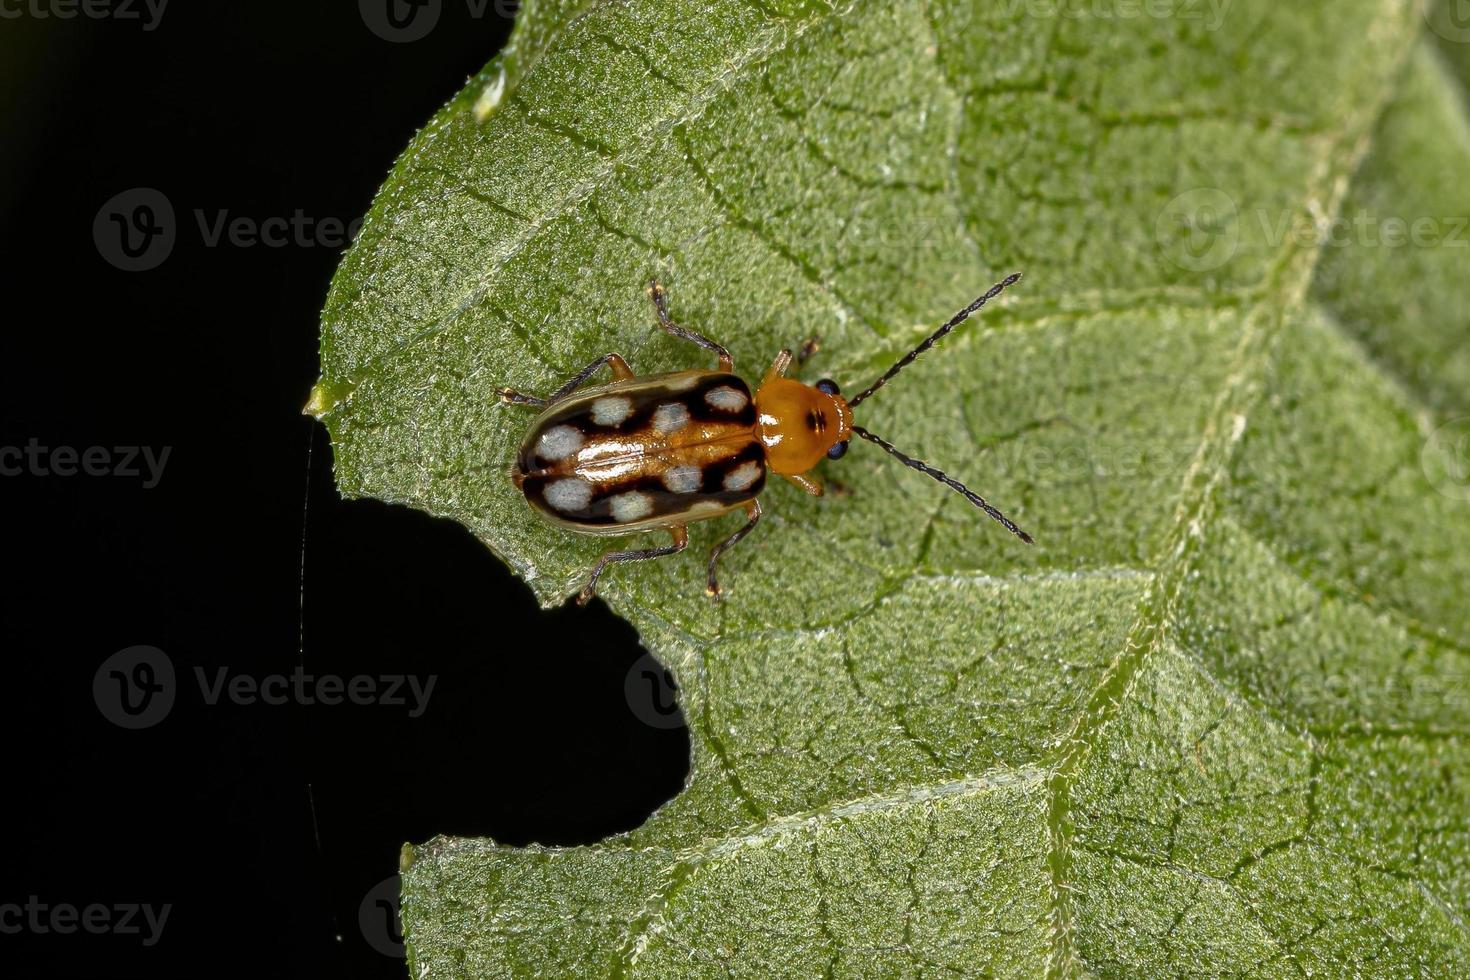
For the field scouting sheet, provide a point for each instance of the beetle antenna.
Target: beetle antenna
(948, 481)
(933, 339)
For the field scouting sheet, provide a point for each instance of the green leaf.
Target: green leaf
(1216, 719)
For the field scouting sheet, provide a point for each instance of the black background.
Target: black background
(264, 827)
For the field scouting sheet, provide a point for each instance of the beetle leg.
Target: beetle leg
(779, 365)
(661, 305)
(620, 369)
(808, 348)
(681, 540)
(753, 510)
(512, 397)
(808, 483)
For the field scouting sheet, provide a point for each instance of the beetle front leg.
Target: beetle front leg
(753, 511)
(620, 370)
(808, 483)
(778, 366)
(681, 541)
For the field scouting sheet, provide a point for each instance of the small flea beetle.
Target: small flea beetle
(656, 453)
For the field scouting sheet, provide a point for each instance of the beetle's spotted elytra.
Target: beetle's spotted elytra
(659, 452)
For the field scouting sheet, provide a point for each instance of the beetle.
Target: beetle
(658, 452)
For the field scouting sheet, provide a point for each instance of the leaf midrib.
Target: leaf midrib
(1287, 286)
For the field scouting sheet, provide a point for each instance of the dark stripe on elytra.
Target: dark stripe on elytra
(664, 502)
(693, 401)
(598, 511)
(646, 402)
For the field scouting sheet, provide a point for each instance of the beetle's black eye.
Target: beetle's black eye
(828, 387)
(838, 450)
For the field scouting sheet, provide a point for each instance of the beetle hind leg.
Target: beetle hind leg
(661, 306)
(753, 511)
(680, 542)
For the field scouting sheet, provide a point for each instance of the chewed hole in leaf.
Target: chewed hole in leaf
(391, 592)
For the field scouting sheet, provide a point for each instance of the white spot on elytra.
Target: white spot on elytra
(683, 479)
(558, 442)
(682, 382)
(725, 398)
(611, 410)
(669, 418)
(570, 494)
(742, 476)
(631, 506)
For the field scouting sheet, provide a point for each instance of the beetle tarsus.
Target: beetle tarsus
(510, 396)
